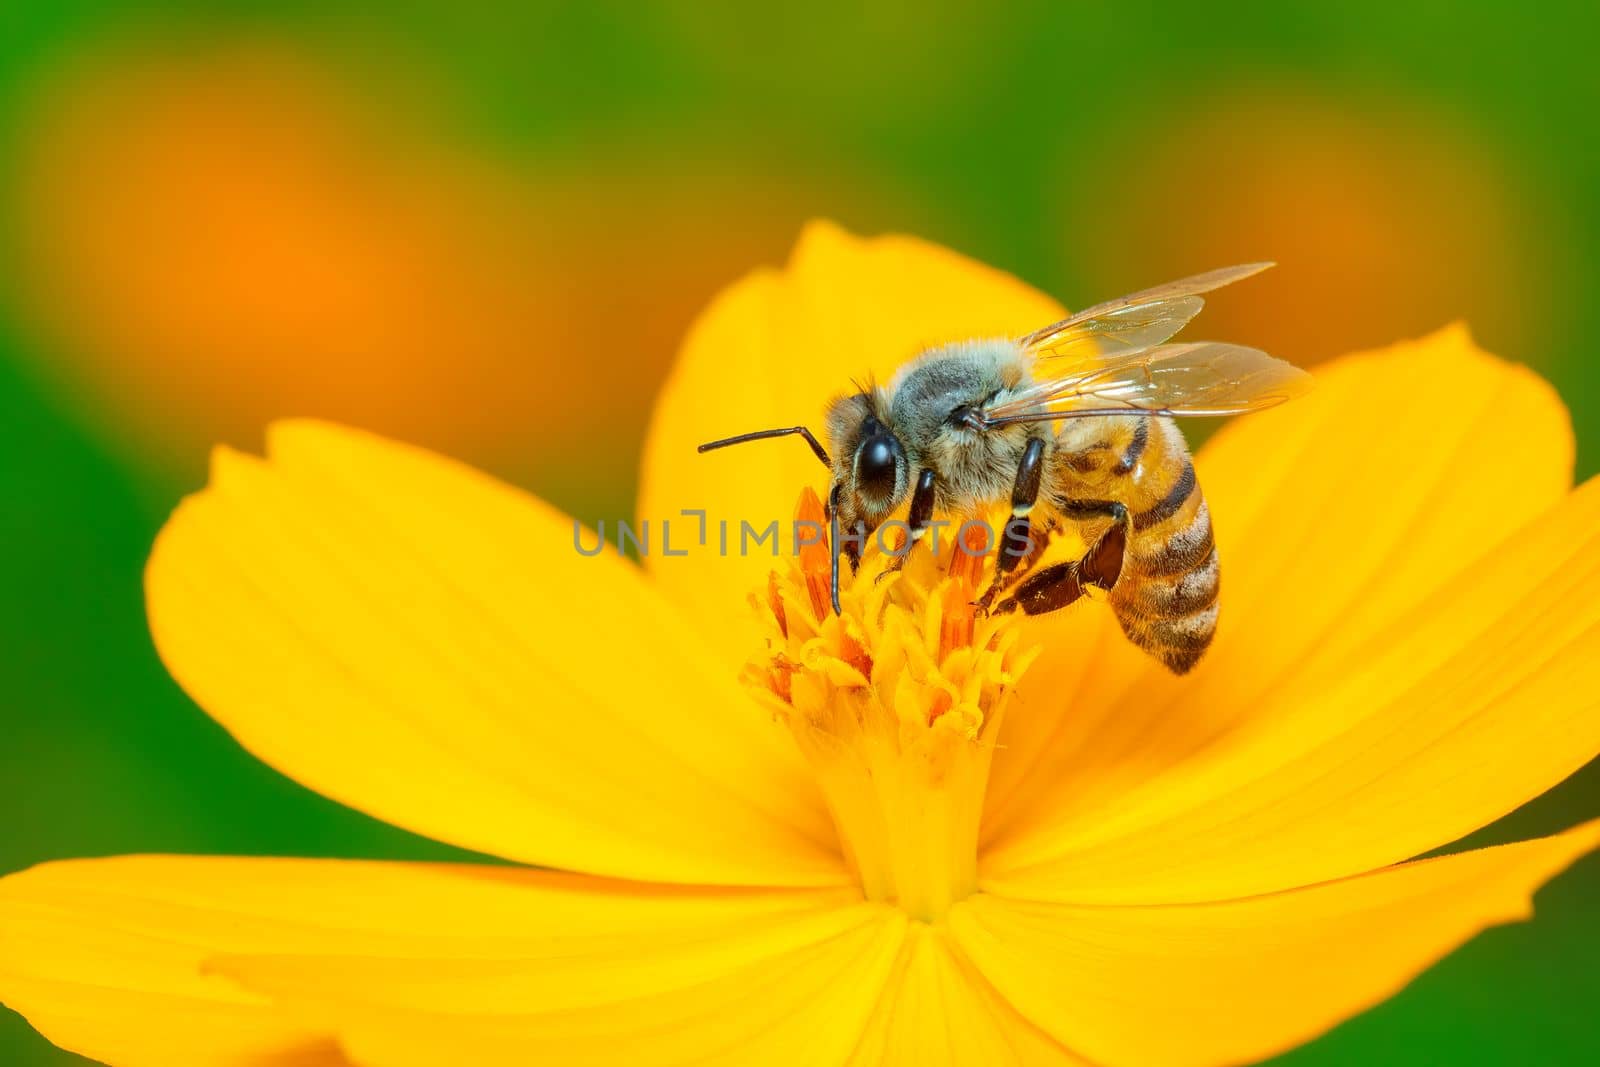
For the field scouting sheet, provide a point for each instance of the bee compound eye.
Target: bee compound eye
(876, 463)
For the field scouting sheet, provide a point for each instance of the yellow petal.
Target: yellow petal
(1335, 519)
(139, 960)
(1235, 981)
(1485, 697)
(939, 1010)
(418, 641)
(771, 351)
(773, 988)
(135, 1028)
(802, 1007)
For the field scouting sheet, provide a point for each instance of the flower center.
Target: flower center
(896, 703)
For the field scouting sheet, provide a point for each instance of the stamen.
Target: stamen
(896, 703)
(816, 561)
(958, 614)
(775, 604)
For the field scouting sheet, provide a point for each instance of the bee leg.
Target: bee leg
(1050, 589)
(917, 520)
(1062, 583)
(1101, 566)
(1041, 536)
(1017, 542)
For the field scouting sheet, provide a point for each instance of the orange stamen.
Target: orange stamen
(815, 562)
(851, 651)
(955, 626)
(966, 556)
(775, 603)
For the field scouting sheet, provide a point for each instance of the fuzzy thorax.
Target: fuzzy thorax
(896, 703)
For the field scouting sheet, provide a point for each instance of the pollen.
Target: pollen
(895, 702)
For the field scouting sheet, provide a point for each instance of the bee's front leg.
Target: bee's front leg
(918, 519)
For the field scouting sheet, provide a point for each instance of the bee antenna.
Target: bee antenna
(761, 435)
(834, 497)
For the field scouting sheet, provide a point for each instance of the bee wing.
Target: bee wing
(1194, 378)
(1133, 322)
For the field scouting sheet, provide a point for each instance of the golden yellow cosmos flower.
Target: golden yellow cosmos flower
(995, 840)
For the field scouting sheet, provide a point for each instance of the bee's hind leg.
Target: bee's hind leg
(1059, 584)
(919, 518)
(1018, 542)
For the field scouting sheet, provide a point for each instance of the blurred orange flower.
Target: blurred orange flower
(216, 236)
(1384, 223)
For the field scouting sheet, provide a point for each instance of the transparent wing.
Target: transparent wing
(1195, 378)
(1133, 322)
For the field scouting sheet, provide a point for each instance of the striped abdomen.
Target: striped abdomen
(1166, 595)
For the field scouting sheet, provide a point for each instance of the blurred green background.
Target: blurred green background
(437, 224)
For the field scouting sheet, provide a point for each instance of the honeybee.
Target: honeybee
(1072, 423)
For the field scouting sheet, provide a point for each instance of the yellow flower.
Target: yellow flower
(995, 840)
